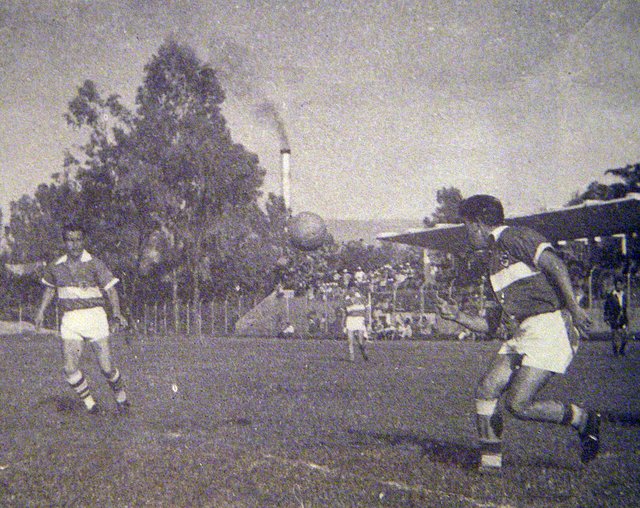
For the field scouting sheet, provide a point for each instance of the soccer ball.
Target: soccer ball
(307, 231)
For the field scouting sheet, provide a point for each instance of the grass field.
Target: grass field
(292, 423)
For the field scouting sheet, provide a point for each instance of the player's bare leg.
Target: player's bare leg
(103, 352)
(351, 340)
(362, 343)
(71, 353)
(526, 383)
(489, 420)
(520, 400)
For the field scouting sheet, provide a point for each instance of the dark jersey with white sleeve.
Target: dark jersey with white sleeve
(80, 283)
(520, 287)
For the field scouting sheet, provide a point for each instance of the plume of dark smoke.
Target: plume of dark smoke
(239, 76)
(233, 67)
(268, 112)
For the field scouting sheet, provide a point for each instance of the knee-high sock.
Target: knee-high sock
(79, 384)
(489, 426)
(116, 383)
(350, 339)
(574, 416)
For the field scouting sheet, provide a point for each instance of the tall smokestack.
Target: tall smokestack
(285, 154)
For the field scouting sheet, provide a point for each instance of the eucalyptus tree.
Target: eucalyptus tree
(119, 226)
(180, 161)
(448, 199)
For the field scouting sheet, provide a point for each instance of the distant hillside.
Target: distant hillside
(346, 230)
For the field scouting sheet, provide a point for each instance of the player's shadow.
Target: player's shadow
(624, 419)
(62, 403)
(445, 452)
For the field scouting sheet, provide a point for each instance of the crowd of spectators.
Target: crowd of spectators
(400, 305)
(385, 278)
(392, 315)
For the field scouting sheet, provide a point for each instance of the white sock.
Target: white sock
(579, 418)
(89, 402)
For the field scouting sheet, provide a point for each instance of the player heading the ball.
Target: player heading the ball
(542, 319)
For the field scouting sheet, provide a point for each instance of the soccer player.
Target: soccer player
(355, 322)
(538, 309)
(80, 280)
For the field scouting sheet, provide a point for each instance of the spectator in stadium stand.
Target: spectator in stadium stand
(383, 278)
(538, 307)
(313, 323)
(426, 324)
(80, 279)
(288, 331)
(385, 307)
(399, 277)
(346, 278)
(360, 276)
(615, 315)
(388, 330)
(405, 329)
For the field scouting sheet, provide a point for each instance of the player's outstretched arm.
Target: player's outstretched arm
(114, 301)
(452, 312)
(556, 271)
(47, 297)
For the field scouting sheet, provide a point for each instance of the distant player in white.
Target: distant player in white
(542, 317)
(80, 279)
(355, 322)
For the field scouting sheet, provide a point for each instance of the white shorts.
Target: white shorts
(547, 341)
(354, 323)
(91, 324)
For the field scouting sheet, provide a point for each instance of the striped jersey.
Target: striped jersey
(79, 284)
(356, 307)
(520, 287)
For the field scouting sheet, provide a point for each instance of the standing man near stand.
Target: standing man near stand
(615, 315)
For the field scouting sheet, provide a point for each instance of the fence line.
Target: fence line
(216, 317)
(219, 317)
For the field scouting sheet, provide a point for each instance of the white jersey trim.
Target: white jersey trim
(84, 258)
(498, 231)
(511, 274)
(541, 248)
(78, 293)
(112, 283)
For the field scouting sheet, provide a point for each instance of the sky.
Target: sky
(382, 102)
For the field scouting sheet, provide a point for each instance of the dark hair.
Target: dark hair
(482, 208)
(72, 226)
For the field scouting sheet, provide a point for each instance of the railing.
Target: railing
(215, 317)
(24, 314)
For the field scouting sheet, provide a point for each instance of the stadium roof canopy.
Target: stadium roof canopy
(589, 220)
